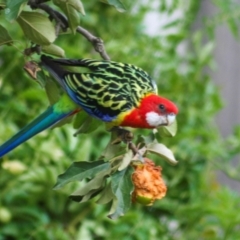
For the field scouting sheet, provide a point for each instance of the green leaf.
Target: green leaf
(77, 4)
(4, 36)
(80, 119)
(143, 140)
(84, 198)
(168, 131)
(117, 4)
(91, 188)
(106, 195)
(127, 158)
(113, 150)
(71, 8)
(53, 50)
(162, 151)
(85, 123)
(80, 170)
(14, 8)
(113, 208)
(37, 27)
(52, 91)
(122, 188)
(206, 52)
(233, 26)
(63, 122)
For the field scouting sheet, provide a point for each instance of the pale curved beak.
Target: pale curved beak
(171, 118)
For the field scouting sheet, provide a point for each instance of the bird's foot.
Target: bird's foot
(122, 135)
(137, 154)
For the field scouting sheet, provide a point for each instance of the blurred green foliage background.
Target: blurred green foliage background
(196, 205)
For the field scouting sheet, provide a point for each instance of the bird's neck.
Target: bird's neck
(135, 120)
(136, 117)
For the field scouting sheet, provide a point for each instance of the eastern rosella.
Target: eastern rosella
(116, 93)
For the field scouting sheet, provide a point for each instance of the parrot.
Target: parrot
(119, 94)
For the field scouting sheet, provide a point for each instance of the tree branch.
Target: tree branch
(133, 147)
(62, 23)
(96, 42)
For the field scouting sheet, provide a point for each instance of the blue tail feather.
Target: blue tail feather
(42, 122)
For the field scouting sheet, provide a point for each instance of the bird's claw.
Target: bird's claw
(123, 135)
(138, 153)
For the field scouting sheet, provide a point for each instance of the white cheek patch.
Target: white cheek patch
(155, 120)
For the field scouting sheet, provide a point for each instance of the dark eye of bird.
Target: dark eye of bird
(162, 107)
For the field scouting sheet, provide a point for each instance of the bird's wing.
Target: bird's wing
(104, 89)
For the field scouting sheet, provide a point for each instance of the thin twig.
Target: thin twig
(33, 49)
(61, 20)
(62, 23)
(133, 147)
(96, 42)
